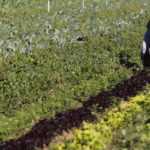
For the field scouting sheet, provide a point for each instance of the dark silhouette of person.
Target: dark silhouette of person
(145, 49)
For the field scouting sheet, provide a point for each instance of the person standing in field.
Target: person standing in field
(145, 49)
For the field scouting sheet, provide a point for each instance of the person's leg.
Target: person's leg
(146, 61)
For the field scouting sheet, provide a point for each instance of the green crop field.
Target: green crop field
(53, 61)
(127, 126)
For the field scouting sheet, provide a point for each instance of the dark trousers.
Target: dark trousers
(146, 59)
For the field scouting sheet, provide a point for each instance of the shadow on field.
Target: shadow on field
(45, 130)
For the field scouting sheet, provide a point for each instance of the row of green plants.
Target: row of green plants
(48, 80)
(124, 127)
(18, 3)
(43, 83)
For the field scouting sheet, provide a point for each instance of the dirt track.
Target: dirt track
(45, 130)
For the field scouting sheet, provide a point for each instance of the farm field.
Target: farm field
(53, 62)
(126, 126)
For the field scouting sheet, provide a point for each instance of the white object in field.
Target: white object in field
(83, 4)
(143, 47)
(49, 5)
(106, 2)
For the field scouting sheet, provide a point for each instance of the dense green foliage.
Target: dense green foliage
(43, 67)
(126, 127)
(35, 28)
